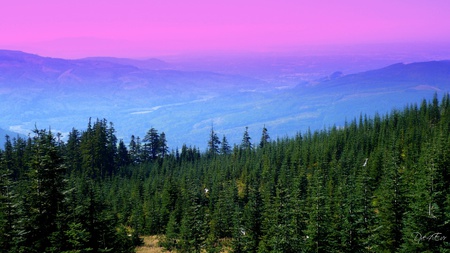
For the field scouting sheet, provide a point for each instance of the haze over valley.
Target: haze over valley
(185, 96)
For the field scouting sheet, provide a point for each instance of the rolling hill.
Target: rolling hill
(137, 95)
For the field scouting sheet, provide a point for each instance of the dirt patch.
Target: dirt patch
(150, 245)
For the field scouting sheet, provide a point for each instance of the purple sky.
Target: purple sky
(141, 28)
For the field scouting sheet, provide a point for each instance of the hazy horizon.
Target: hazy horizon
(398, 52)
(141, 28)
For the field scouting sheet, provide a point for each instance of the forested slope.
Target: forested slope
(379, 184)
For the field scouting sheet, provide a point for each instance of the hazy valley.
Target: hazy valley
(184, 98)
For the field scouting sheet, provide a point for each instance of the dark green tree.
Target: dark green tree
(21, 155)
(98, 149)
(123, 158)
(318, 228)
(264, 137)
(251, 229)
(193, 228)
(45, 195)
(246, 140)
(213, 143)
(93, 228)
(225, 148)
(151, 145)
(72, 152)
(390, 202)
(135, 150)
(172, 233)
(163, 148)
(8, 198)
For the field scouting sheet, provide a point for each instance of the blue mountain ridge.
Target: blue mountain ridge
(61, 94)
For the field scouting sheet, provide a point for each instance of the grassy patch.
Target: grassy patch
(151, 245)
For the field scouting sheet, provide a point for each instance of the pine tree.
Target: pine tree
(163, 148)
(45, 193)
(169, 241)
(264, 138)
(123, 157)
(193, 227)
(239, 232)
(225, 148)
(169, 199)
(246, 143)
(96, 227)
(317, 230)
(281, 224)
(425, 215)
(98, 149)
(151, 145)
(135, 150)
(111, 152)
(390, 203)
(72, 152)
(356, 213)
(213, 143)
(21, 151)
(8, 199)
(252, 221)
(7, 158)
(224, 206)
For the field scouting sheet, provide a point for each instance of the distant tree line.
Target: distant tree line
(378, 184)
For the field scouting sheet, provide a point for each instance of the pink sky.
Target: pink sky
(141, 28)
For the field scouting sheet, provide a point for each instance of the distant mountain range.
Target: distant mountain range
(434, 73)
(152, 63)
(184, 103)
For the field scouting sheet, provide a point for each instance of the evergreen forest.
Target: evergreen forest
(380, 183)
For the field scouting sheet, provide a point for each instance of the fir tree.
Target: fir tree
(72, 151)
(163, 148)
(123, 157)
(264, 137)
(193, 227)
(8, 199)
(251, 229)
(246, 143)
(390, 202)
(225, 148)
(135, 150)
(151, 145)
(213, 143)
(45, 193)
